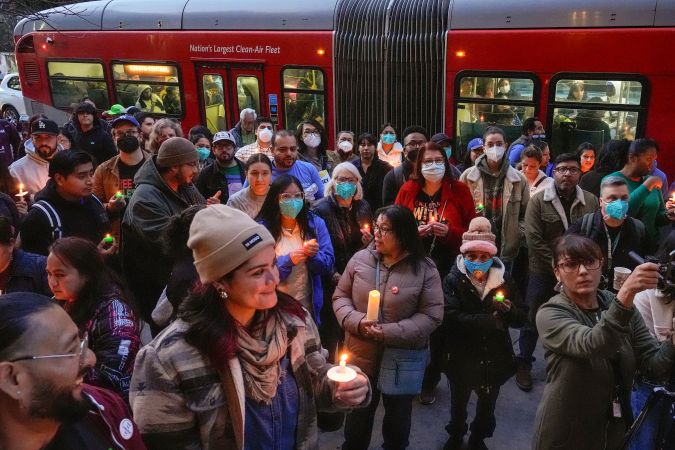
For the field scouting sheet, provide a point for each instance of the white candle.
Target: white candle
(373, 311)
(343, 363)
(342, 373)
(21, 193)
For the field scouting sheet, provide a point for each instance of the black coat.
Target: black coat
(372, 181)
(480, 353)
(97, 142)
(211, 180)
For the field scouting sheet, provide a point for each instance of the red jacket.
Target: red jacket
(459, 209)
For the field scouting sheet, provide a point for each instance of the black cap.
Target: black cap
(440, 137)
(45, 126)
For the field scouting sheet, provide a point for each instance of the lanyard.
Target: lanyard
(611, 247)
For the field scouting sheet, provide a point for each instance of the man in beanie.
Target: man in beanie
(224, 175)
(481, 303)
(32, 170)
(163, 188)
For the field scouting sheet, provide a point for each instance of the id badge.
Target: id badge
(616, 409)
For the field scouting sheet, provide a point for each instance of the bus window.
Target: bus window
(214, 102)
(303, 90)
(487, 99)
(248, 93)
(594, 111)
(153, 88)
(70, 81)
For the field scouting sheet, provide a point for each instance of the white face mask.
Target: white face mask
(495, 154)
(265, 135)
(312, 140)
(505, 89)
(434, 173)
(345, 146)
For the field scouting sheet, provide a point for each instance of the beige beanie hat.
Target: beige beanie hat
(479, 237)
(223, 238)
(176, 151)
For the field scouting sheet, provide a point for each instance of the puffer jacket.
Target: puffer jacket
(97, 141)
(28, 273)
(481, 352)
(180, 401)
(412, 306)
(515, 196)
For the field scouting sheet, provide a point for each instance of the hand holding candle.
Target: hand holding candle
(108, 239)
(373, 311)
(480, 208)
(311, 247)
(499, 297)
(342, 373)
(501, 304)
(21, 193)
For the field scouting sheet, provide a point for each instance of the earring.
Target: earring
(223, 294)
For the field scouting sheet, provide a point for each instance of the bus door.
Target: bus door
(227, 89)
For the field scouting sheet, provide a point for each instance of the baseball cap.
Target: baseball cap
(474, 144)
(115, 110)
(439, 137)
(45, 126)
(125, 118)
(223, 136)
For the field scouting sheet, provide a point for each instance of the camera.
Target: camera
(666, 271)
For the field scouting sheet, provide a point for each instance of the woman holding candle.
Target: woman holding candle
(411, 307)
(259, 177)
(97, 302)
(481, 303)
(303, 247)
(242, 366)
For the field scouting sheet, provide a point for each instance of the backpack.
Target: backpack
(53, 216)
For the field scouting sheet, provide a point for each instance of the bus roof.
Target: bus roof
(320, 15)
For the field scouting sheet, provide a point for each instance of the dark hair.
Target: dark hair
(84, 108)
(564, 157)
(493, 130)
(372, 140)
(83, 256)
(532, 151)
(404, 226)
(65, 162)
(612, 157)
(201, 129)
(529, 124)
(434, 147)
(257, 158)
(7, 182)
(388, 124)
(194, 138)
(414, 129)
(281, 133)
(585, 146)
(177, 232)
(263, 119)
(541, 145)
(270, 213)
(642, 145)
(141, 116)
(6, 230)
(16, 310)
(302, 147)
(576, 248)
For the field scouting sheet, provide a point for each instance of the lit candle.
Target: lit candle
(21, 193)
(108, 239)
(343, 362)
(480, 207)
(366, 228)
(499, 297)
(118, 194)
(373, 311)
(432, 217)
(672, 197)
(342, 373)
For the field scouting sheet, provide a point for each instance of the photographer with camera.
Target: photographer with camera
(595, 341)
(656, 429)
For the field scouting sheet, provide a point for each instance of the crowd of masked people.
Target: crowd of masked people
(171, 292)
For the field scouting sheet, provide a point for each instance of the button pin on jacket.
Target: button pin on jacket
(394, 290)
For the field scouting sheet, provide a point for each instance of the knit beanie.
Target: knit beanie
(223, 238)
(479, 237)
(176, 151)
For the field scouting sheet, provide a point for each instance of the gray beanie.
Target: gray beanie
(223, 238)
(176, 151)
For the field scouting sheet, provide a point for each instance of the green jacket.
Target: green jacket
(575, 412)
(545, 220)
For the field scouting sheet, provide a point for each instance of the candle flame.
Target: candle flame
(500, 293)
(20, 187)
(343, 357)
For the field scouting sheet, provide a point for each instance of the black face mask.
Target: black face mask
(128, 144)
(412, 155)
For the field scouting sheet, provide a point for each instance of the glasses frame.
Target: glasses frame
(428, 164)
(383, 232)
(84, 345)
(579, 264)
(286, 196)
(570, 170)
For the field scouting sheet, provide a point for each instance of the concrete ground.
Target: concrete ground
(515, 416)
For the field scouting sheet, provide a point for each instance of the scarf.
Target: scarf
(259, 356)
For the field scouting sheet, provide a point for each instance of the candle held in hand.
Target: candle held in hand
(108, 239)
(672, 197)
(373, 311)
(342, 373)
(366, 228)
(480, 207)
(118, 194)
(21, 193)
(499, 297)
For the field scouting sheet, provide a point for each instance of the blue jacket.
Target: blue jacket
(28, 273)
(318, 265)
(308, 176)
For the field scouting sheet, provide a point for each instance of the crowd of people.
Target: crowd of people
(162, 291)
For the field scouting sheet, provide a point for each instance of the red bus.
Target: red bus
(590, 70)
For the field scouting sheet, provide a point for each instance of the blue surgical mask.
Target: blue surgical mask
(345, 190)
(292, 207)
(474, 267)
(203, 153)
(388, 138)
(448, 151)
(618, 209)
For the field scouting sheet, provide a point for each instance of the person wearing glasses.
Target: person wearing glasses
(44, 402)
(595, 342)
(414, 137)
(443, 208)
(98, 304)
(411, 308)
(302, 244)
(549, 213)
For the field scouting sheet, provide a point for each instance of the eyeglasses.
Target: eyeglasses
(573, 266)
(133, 133)
(431, 162)
(415, 144)
(298, 195)
(382, 230)
(570, 170)
(82, 353)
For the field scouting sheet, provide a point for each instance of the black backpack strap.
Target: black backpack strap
(587, 224)
(52, 216)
